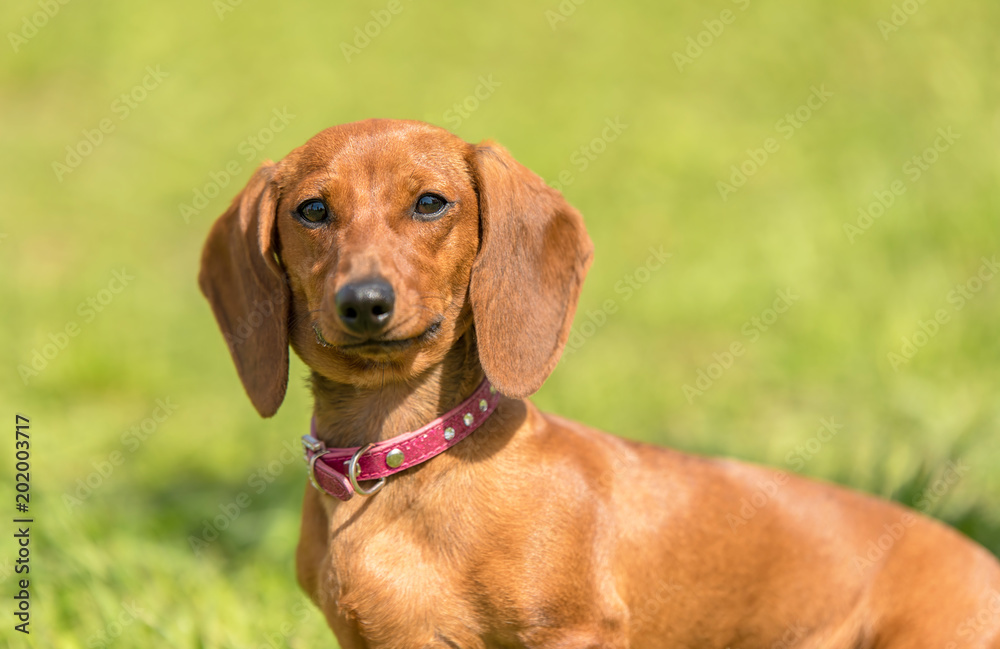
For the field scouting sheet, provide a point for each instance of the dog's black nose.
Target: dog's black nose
(365, 306)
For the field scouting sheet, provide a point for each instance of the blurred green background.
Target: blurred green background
(115, 566)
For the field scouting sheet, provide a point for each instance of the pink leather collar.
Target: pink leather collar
(331, 469)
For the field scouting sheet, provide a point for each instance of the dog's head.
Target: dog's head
(373, 248)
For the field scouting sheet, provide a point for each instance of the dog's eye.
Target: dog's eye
(313, 211)
(429, 206)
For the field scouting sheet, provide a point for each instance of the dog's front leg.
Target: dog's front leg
(313, 544)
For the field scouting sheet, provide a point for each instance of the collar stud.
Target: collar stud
(337, 471)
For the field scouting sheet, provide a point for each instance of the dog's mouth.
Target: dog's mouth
(319, 336)
(380, 345)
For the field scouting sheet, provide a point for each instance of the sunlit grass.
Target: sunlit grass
(127, 544)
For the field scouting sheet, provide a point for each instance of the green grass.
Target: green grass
(127, 544)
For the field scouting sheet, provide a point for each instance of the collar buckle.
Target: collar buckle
(311, 445)
(312, 450)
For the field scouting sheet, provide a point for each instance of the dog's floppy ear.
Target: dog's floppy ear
(533, 256)
(248, 291)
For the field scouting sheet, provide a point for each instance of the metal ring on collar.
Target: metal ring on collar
(353, 470)
(312, 471)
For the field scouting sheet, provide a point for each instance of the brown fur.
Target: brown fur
(535, 531)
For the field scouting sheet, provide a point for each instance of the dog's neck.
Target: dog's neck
(348, 415)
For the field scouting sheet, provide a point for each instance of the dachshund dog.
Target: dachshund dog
(409, 270)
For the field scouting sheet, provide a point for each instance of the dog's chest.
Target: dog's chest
(393, 580)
